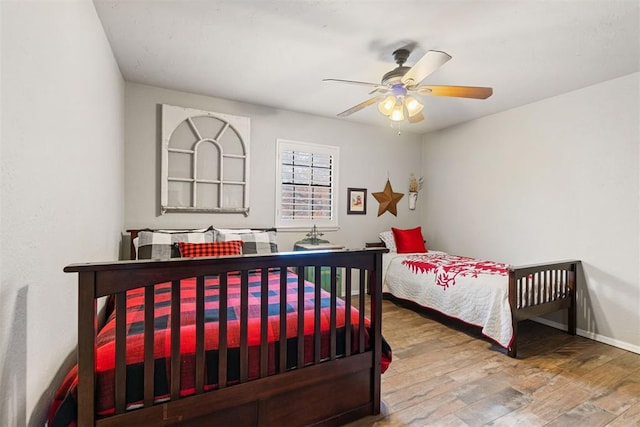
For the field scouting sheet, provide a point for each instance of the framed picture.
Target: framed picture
(357, 201)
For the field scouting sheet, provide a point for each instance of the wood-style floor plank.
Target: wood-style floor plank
(445, 373)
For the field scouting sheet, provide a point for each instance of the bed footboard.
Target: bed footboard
(538, 289)
(331, 388)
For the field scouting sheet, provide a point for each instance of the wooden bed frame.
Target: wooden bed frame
(535, 290)
(325, 392)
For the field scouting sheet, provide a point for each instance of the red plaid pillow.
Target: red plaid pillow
(192, 250)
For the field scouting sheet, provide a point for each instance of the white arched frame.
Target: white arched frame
(205, 161)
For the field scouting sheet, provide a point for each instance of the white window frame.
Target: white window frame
(304, 224)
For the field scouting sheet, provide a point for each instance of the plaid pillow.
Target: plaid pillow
(161, 244)
(254, 243)
(193, 250)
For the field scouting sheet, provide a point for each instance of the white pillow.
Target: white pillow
(388, 240)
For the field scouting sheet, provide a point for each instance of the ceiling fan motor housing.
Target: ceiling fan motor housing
(394, 76)
(401, 56)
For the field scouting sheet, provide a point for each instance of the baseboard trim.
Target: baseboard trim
(591, 335)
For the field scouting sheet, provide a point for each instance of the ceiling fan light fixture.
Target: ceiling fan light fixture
(397, 115)
(387, 105)
(413, 106)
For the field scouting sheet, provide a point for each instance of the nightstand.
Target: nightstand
(325, 272)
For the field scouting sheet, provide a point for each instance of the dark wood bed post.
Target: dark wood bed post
(375, 283)
(132, 249)
(87, 327)
(573, 312)
(513, 286)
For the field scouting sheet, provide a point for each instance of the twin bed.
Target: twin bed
(256, 344)
(491, 295)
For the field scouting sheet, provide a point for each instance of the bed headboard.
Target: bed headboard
(132, 249)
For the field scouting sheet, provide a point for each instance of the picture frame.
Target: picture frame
(356, 201)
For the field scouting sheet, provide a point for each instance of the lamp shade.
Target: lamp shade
(397, 115)
(413, 106)
(387, 104)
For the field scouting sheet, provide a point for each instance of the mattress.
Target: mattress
(474, 291)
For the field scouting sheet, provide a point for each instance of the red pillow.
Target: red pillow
(192, 250)
(409, 241)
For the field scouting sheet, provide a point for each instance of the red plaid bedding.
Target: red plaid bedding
(63, 409)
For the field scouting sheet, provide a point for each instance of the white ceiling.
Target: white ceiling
(275, 53)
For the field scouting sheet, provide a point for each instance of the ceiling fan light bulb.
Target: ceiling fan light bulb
(413, 106)
(397, 114)
(386, 106)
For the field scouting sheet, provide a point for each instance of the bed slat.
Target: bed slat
(300, 317)
(175, 339)
(316, 315)
(264, 325)
(244, 326)
(361, 309)
(149, 364)
(200, 371)
(347, 320)
(222, 340)
(283, 321)
(121, 339)
(332, 316)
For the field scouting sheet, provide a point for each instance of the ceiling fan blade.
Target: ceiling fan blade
(359, 106)
(382, 90)
(429, 63)
(456, 91)
(354, 82)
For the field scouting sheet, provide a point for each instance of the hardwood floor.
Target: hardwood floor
(444, 373)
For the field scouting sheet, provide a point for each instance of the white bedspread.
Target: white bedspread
(468, 289)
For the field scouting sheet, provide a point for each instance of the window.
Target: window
(205, 161)
(307, 179)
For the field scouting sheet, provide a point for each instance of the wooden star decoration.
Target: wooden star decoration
(388, 200)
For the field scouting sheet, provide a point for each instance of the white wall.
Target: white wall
(556, 179)
(62, 160)
(367, 156)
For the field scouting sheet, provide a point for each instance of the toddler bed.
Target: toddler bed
(492, 295)
(222, 361)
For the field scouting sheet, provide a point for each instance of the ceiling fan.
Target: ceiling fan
(397, 90)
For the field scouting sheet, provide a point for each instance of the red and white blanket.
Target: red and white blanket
(472, 290)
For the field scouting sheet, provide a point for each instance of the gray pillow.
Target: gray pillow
(263, 242)
(163, 244)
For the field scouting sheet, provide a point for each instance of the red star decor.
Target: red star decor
(388, 200)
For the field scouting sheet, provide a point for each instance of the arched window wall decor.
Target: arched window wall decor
(205, 161)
